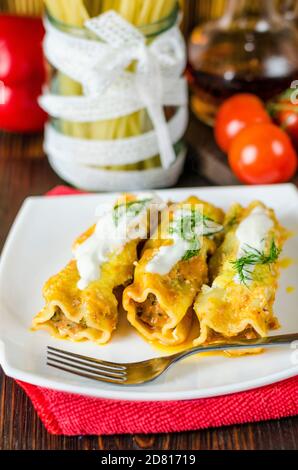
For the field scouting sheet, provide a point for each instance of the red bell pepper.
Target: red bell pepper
(22, 73)
(19, 109)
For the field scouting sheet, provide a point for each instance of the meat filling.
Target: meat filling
(151, 313)
(65, 326)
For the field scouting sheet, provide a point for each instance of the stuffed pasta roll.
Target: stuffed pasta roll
(172, 270)
(244, 274)
(80, 301)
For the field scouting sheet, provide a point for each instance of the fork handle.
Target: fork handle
(243, 344)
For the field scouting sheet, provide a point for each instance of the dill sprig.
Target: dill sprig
(253, 257)
(131, 209)
(232, 222)
(190, 254)
(186, 228)
(186, 225)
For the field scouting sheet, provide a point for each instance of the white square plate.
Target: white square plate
(39, 245)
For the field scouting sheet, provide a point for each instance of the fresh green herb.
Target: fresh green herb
(190, 254)
(232, 222)
(253, 257)
(186, 226)
(131, 209)
(189, 227)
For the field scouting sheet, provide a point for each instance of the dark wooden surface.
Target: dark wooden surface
(23, 172)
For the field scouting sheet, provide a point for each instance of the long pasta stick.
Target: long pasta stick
(167, 7)
(145, 11)
(56, 10)
(73, 13)
(82, 11)
(107, 5)
(22, 7)
(67, 86)
(157, 10)
(129, 11)
(161, 9)
(118, 128)
(67, 8)
(76, 12)
(93, 7)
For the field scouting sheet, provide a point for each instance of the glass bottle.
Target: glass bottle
(250, 49)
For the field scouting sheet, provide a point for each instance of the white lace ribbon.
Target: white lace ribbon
(96, 179)
(112, 152)
(110, 91)
(97, 64)
(119, 100)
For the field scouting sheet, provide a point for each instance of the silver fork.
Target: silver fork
(137, 373)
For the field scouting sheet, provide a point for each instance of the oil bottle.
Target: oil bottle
(251, 49)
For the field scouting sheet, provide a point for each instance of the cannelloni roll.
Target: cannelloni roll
(80, 301)
(172, 270)
(244, 274)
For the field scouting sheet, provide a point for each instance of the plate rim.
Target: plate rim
(125, 393)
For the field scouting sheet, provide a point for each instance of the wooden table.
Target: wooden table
(24, 172)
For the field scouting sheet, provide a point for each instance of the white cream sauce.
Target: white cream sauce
(168, 256)
(113, 231)
(252, 233)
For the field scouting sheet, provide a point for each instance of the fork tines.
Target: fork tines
(87, 367)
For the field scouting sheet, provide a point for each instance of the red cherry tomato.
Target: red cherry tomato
(263, 154)
(19, 110)
(21, 55)
(236, 114)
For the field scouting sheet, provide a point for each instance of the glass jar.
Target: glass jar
(250, 49)
(123, 127)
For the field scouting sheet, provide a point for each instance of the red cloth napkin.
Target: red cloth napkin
(68, 414)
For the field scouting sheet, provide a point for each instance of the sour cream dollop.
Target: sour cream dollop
(253, 233)
(168, 256)
(115, 228)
